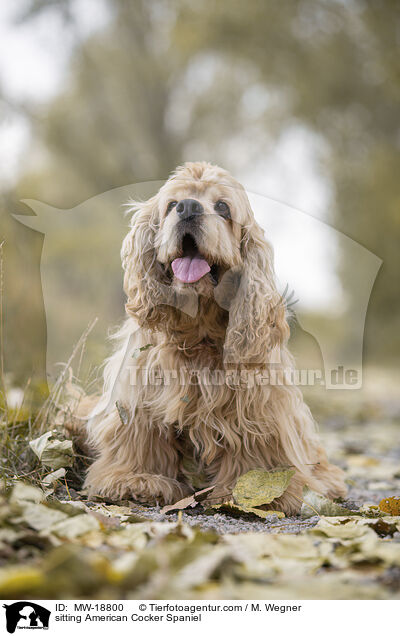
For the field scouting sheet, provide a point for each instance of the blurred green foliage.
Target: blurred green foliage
(167, 81)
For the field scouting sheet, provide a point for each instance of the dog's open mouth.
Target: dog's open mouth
(192, 266)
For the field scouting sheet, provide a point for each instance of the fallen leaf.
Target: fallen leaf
(249, 547)
(23, 492)
(16, 580)
(385, 527)
(391, 505)
(314, 503)
(74, 526)
(39, 516)
(201, 568)
(370, 510)
(106, 521)
(341, 528)
(187, 502)
(259, 487)
(49, 479)
(53, 452)
(138, 351)
(235, 509)
(116, 513)
(123, 413)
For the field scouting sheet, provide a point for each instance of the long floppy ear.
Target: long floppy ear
(257, 324)
(143, 279)
(145, 282)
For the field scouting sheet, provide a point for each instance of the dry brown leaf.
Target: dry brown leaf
(188, 502)
(235, 509)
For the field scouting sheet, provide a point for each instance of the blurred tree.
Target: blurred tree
(129, 108)
(24, 337)
(337, 67)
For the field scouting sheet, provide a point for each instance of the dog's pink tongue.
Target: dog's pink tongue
(190, 269)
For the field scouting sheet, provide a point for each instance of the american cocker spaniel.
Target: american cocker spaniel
(194, 390)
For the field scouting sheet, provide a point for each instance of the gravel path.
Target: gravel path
(227, 524)
(368, 452)
(223, 523)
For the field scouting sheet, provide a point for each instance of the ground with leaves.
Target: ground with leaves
(56, 543)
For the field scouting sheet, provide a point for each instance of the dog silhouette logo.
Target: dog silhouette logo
(304, 247)
(26, 615)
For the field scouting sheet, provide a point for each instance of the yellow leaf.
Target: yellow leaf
(391, 505)
(17, 581)
(259, 487)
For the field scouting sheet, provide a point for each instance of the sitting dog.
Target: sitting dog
(189, 391)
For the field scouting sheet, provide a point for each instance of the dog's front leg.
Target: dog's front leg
(137, 460)
(223, 473)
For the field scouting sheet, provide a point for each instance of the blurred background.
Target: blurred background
(299, 100)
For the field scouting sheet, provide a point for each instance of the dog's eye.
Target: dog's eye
(171, 205)
(223, 209)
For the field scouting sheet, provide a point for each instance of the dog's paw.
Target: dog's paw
(144, 487)
(288, 503)
(330, 480)
(155, 489)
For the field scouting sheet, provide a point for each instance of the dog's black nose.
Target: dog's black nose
(188, 208)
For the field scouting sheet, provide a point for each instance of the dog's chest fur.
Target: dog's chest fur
(193, 399)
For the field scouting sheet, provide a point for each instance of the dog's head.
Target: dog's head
(197, 239)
